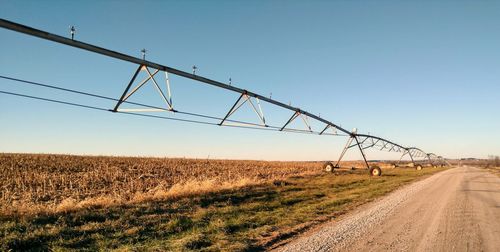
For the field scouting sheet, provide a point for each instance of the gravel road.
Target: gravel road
(454, 210)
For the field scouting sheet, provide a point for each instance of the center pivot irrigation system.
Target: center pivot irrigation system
(361, 141)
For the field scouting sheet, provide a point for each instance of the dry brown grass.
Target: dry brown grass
(33, 183)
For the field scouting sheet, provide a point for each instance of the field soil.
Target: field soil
(455, 210)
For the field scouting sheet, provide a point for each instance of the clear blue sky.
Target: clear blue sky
(422, 73)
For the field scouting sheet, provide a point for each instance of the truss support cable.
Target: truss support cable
(143, 63)
(54, 101)
(246, 124)
(117, 55)
(113, 99)
(144, 115)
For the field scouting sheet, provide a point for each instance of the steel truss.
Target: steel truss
(126, 94)
(415, 153)
(253, 100)
(244, 97)
(363, 142)
(436, 160)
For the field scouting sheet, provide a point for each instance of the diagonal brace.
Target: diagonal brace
(122, 98)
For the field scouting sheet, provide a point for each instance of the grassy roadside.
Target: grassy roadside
(494, 170)
(250, 218)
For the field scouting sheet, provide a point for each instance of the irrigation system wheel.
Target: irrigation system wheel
(329, 167)
(375, 171)
(418, 167)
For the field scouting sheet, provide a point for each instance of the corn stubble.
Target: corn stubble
(39, 183)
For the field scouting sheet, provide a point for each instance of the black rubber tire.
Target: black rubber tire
(375, 171)
(329, 167)
(418, 167)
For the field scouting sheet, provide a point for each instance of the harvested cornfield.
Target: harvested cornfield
(39, 182)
